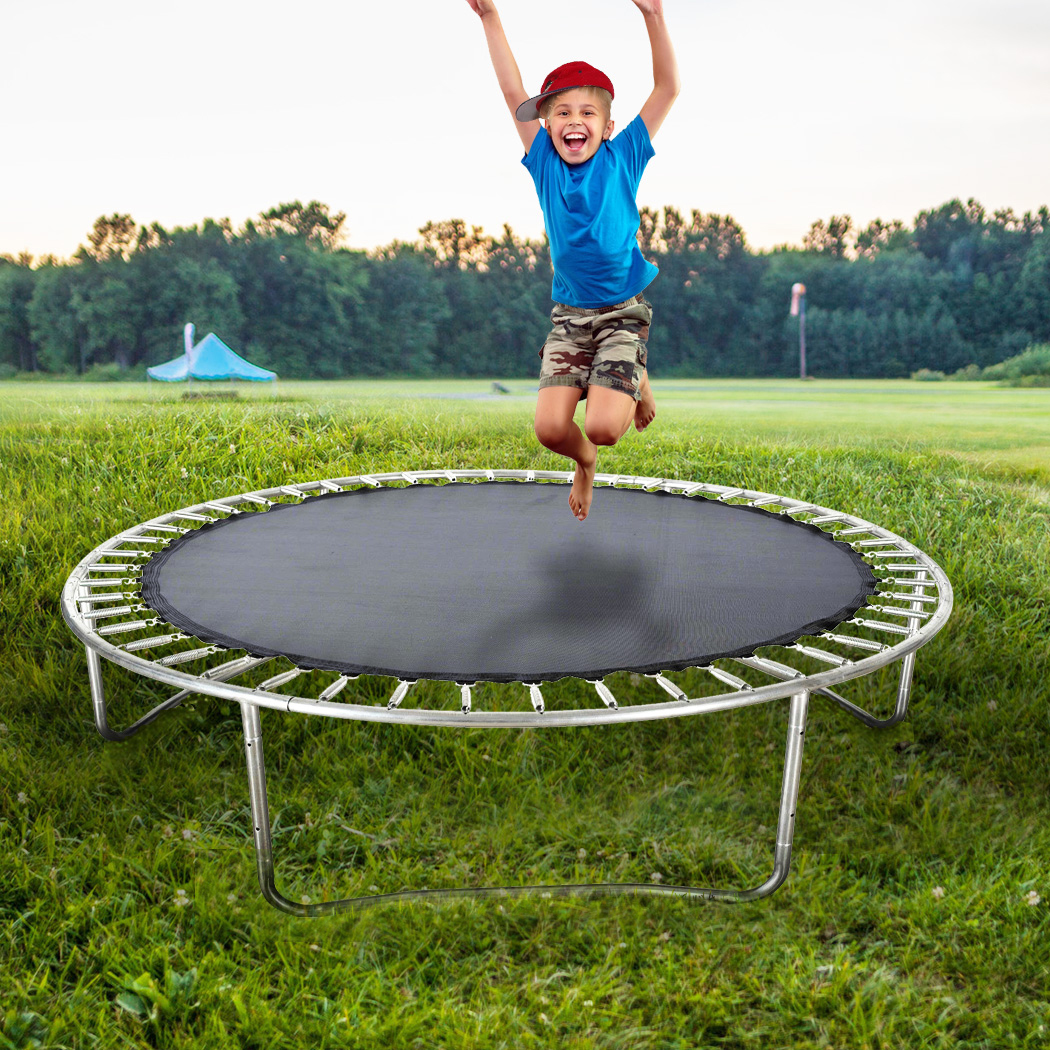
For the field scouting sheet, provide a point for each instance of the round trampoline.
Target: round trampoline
(471, 577)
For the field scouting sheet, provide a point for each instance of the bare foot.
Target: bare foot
(583, 486)
(645, 410)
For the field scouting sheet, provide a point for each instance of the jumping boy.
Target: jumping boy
(587, 183)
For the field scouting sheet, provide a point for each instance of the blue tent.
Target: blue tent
(211, 358)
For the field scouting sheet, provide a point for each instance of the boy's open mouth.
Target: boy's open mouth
(575, 141)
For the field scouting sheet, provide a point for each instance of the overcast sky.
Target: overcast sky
(389, 110)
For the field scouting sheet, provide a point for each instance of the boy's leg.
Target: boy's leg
(621, 335)
(645, 409)
(610, 414)
(556, 430)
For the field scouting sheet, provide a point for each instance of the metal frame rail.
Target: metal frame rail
(102, 604)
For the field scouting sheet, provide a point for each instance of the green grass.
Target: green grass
(857, 949)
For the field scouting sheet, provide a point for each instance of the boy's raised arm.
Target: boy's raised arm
(506, 68)
(666, 82)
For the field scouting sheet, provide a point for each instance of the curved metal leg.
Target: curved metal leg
(98, 702)
(264, 847)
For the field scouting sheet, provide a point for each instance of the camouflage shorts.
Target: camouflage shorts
(602, 347)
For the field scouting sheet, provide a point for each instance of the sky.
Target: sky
(389, 111)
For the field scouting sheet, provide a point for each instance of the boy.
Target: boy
(587, 183)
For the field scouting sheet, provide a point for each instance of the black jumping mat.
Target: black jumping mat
(497, 581)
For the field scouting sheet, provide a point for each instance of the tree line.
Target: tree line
(958, 287)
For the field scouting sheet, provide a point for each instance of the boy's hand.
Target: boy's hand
(483, 7)
(647, 7)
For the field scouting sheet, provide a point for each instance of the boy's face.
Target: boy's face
(578, 123)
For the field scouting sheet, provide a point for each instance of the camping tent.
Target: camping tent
(211, 358)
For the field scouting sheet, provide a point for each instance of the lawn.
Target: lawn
(916, 914)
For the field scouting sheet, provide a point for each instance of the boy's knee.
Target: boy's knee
(552, 432)
(603, 432)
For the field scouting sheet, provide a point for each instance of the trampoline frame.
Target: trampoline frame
(100, 601)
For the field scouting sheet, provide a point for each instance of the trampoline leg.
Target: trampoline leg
(796, 734)
(98, 702)
(253, 753)
(253, 749)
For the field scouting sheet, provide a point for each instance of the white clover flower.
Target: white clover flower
(23, 797)
(189, 834)
(1032, 898)
(230, 898)
(184, 472)
(992, 705)
(315, 947)
(656, 876)
(180, 900)
(938, 892)
(233, 447)
(305, 899)
(3, 727)
(588, 1002)
(581, 854)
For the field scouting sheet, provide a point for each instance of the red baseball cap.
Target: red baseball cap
(564, 78)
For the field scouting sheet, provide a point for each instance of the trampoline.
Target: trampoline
(481, 578)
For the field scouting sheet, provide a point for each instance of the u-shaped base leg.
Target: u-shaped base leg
(98, 703)
(264, 847)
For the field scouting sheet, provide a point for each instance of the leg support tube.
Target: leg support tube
(98, 702)
(253, 748)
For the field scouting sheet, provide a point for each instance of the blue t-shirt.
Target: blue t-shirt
(591, 214)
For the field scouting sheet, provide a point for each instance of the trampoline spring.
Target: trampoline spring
(167, 528)
(729, 494)
(156, 642)
(216, 505)
(98, 567)
(878, 625)
(335, 688)
(903, 567)
(261, 501)
(188, 657)
(825, 519)
(857, 530)
(728, 679)
(895, 553)
(125, 628)
(820, 654)
(876, 543)
(111, 596)
(929, 599)
(669, 687)
(399, 695)
(368, 479)
(279, 679)
(233, 668)
(464, 699)
(120, 610)
(149, 539)
(406, 476)
(770, 667)
(893, 611)
(328, 486)
(904, 581)
(857, 643)
(606, 694)
(187, 515)
(764, 501)
(536, 696)
(289, 490)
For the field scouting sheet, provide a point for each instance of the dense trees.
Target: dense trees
(958, 287)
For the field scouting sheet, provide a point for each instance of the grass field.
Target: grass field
(916, 914)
